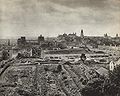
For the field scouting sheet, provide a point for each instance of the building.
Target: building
(113, 65)
(40, 39)
(65, 54)
(73, 35)
(21, 42)
(82, 34)
(103, 71)
(32, 42)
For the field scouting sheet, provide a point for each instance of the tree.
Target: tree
(115, 76)
(104, 86)
(111, 89)
(89, 91)
(62, 46)
(114, 86)
(19, 55)
(93, 88)
(59, 68)
(5, 55)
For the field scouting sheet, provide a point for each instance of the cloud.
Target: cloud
(81, 3)
(95, 4)
(50, 17)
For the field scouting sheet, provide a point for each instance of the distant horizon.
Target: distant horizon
(34, 37)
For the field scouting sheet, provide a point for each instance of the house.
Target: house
(103, 71)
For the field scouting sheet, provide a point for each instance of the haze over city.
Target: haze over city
(54, 17)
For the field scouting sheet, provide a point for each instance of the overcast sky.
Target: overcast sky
(53, 17)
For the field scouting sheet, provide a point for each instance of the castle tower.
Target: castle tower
(40, 39)
(82, 34)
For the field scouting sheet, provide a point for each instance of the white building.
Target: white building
(113, 65)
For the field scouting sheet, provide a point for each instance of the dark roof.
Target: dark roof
(69, 51)
(102, 71)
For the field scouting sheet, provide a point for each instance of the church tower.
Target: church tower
(82, 34)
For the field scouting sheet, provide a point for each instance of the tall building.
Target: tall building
(21, 41)
(40, 39)
(82, 34)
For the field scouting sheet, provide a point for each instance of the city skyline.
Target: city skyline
(52, 18)
(35, 37)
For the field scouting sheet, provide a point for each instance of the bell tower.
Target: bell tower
(82, 34)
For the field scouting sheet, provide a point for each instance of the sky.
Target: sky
(54, 17)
